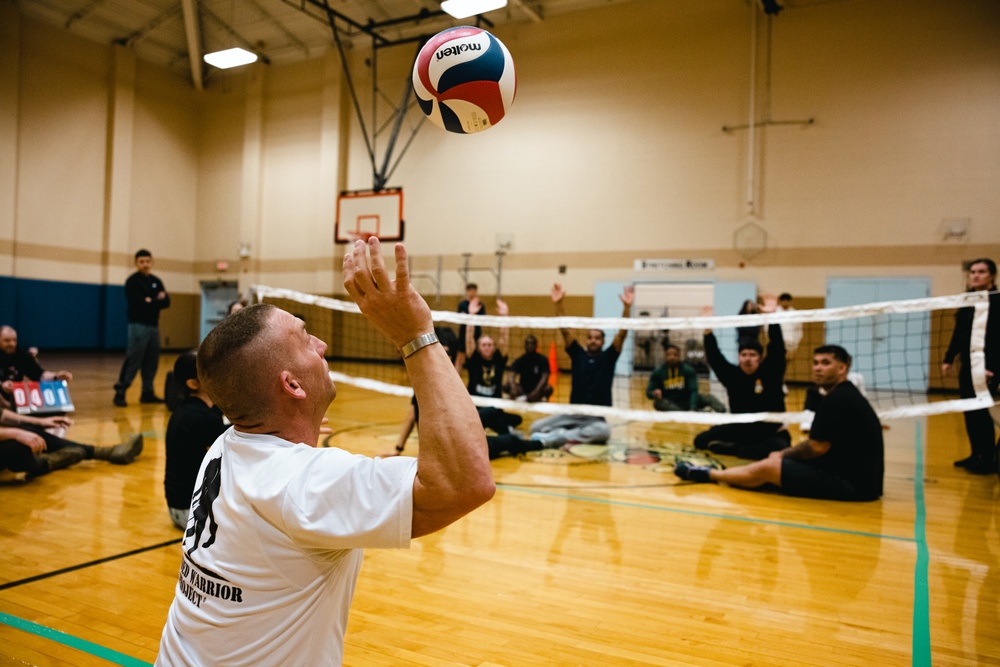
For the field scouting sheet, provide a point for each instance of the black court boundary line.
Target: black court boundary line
(99, 561)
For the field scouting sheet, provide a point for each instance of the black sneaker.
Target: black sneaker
(150, 398)
(692, 473)
(120, 400)
(966, 462)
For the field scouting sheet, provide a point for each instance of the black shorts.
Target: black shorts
(808, 481)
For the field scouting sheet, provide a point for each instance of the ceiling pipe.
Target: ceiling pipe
(527, 9)
(193, 34)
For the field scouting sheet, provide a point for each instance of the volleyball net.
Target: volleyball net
(897, 349)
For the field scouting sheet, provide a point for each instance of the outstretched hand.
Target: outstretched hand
(558, 293)
(707, 311)
(392, 306)
(502, 309)
(628, 295)
(770, 303)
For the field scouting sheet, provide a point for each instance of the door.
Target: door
(216, 295)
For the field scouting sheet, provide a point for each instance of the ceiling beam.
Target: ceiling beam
(193, 34)
(527, 9)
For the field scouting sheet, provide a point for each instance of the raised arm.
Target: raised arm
(453, 468)
(504, 337)
(470, 331)
(627, 297)
(558, 294)
(776, 357)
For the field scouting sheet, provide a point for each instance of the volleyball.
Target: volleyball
(464, 80)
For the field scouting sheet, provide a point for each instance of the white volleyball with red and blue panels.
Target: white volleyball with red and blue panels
(464, 80)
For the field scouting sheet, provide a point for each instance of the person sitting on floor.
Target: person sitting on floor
(674, 385)
(17, 364)
(26, 446)
(844, 457)
(529, 379)
(755, 384)
(194, 425)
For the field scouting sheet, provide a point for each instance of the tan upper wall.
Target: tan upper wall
(613, 150)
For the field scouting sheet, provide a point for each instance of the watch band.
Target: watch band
(420, 341)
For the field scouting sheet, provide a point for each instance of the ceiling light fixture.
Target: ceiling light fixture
(230, 58)
(461, 9)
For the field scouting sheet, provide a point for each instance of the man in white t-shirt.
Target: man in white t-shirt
(277, 527)
(791, 332)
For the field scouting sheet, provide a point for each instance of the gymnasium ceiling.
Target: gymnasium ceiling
(175, 33)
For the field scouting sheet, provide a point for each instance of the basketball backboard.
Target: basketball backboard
(363, 214)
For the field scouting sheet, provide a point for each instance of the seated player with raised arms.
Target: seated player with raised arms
(507, 442)
(592, 373)
(278, 528)
(755, 384)
(488, 360)
(843, 459)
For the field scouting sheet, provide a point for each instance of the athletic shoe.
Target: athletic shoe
(150, 398)
(122, 454)
(120, 400)
(966, 462)
(692, 473)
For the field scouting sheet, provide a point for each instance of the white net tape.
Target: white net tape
(977, 300)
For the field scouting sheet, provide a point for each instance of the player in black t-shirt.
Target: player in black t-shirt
(843, 459)
(488, 360)
(530, 374)
(193, 427)
(593, 367)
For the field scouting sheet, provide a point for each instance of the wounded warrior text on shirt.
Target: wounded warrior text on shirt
(196, 586)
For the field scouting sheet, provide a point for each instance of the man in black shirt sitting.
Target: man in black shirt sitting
(844, 457)
(754, 384)
(530, 375)
(17, 363)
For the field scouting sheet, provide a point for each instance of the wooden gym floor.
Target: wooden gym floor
(575, 562)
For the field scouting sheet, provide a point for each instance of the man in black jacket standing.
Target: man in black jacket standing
(146, 297)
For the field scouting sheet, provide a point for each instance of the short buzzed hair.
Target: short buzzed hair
(839, 353)
(142, 252)
(234, 361)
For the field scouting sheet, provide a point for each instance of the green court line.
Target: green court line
(921, 649)
(73, 642)
(711, 515)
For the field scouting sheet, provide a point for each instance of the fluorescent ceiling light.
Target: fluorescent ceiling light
(230, 58)
(461, 9)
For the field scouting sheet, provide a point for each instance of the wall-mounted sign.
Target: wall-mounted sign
(674, 264)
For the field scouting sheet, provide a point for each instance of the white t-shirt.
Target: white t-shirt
(791, 332)
(268, 573)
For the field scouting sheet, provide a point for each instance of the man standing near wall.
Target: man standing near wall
(146, 297)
